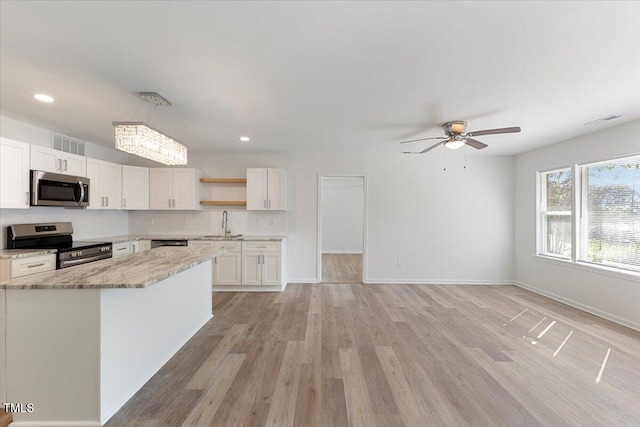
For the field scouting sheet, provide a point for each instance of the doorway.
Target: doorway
(341, 228)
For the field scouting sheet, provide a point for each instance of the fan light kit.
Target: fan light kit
(456, 138)
(245, 139)
(142, 140)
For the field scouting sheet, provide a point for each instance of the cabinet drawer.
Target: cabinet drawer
(120, 249)
(36, 264)
(261, 246)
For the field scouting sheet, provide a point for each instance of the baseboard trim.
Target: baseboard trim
(437, 282)
(605, 315)
(55, 424)
(304, 280)
(342, 253)
(245, 288)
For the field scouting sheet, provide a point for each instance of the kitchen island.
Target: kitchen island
(81, 341)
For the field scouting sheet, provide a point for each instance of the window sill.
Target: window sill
(591, 268)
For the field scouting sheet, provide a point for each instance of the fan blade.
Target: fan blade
(476, 144)
(424, 139)
(494, 131)
(423, 151)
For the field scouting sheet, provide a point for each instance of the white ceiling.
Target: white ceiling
(325, 74)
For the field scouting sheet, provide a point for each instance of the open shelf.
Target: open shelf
(224, 202)
(223, 180)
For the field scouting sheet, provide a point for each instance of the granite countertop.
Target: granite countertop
(130, 237)
(138, 270)
(24, 253)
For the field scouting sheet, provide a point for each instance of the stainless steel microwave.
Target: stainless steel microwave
(54, 189)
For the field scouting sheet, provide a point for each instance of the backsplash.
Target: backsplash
(207, 221)
(87, 224)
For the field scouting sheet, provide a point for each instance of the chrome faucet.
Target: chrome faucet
(225, 223)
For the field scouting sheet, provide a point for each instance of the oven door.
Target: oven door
(54, 189)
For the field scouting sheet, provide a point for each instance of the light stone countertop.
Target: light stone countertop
(24, 253)
(138, 270)
(131, 237)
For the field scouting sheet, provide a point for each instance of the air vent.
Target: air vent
(603, 119)
(67, 144)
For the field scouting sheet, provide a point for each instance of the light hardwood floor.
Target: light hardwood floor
(395, 355)
(341, 268)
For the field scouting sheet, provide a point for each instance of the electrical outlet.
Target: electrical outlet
(151, 221)
(399, 264)
(258, 222)
(527, 268)
(185, 221)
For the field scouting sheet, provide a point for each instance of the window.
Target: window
(610, 220)
(607, 226)
(555, 206)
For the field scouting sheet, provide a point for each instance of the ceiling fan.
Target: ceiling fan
(456, 137)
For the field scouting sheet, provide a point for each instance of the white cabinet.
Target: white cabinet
(266, 189)
(31, 265)
(135, 188)
(50, 160)
(3, 346)
(262, 263)
(14, 174)
(227, 267)
(140, 246)
(105, 191)
(121, 248)
(174, 188)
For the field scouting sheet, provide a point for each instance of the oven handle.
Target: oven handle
(88, 259)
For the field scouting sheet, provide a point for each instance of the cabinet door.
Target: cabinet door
(73, 164)
(227, 269)
(96, 200)
(271, 270)
(111, 185)
(277, 189)
(135, 188)
(184, 189)
(135, 246)
(257, 189)
(45, 159)
(144, 245)
(14, 174)
(251, 268)
(160, 189)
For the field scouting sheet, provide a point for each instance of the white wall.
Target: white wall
(616, 297)
(342, 215)
(453, 226)
(86, 223)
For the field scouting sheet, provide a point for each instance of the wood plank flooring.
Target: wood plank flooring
(341, 268)
(395, 355)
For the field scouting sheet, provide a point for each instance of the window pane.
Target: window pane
(559, 190)
(559, 235)
(613, 213)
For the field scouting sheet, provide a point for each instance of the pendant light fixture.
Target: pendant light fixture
(142, 140)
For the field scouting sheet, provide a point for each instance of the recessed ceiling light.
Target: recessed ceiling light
(43, 98)
(245, 139)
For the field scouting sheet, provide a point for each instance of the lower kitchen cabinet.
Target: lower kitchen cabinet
(261, 263)
(140, 246)
(227, 268)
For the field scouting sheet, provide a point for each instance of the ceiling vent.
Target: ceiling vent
(67, 144)
(603, 119)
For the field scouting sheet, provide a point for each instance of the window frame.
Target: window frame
(543, 213)
(579, 227)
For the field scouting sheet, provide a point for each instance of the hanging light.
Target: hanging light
(142, 140)
(454, 142)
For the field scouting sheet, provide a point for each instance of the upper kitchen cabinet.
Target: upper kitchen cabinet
(135, 188)
(266, 189)
(105, 190)
(14, 174)
(174, 189)
(50, 160)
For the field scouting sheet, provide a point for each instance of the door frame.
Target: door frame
(364, 221)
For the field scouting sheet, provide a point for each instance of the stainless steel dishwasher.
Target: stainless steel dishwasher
(168, 242)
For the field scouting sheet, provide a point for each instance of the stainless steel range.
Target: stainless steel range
(57, 235)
